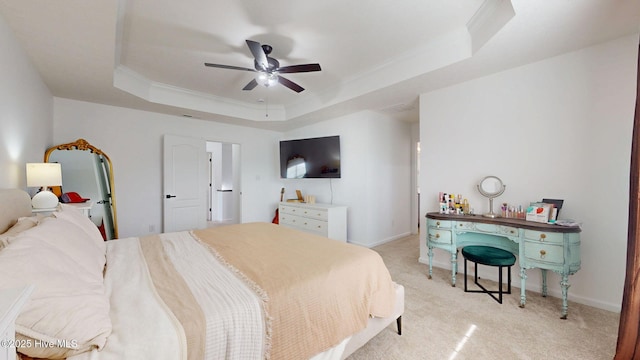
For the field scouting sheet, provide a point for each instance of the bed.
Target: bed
(246, 291)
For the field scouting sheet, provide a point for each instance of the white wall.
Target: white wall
(558, 128)
(375, 180)
(133, 141)
(26, 115)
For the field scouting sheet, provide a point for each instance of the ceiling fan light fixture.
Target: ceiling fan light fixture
(267, 79)
(268, 69)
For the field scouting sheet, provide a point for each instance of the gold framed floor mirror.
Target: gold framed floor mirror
(88, 171)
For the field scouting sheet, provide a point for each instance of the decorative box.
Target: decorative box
(539, 212)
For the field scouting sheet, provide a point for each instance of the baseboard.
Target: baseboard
(383, 241)
(537, 288)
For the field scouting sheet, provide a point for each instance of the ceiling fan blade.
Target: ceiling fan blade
(290, 84)
(253, 83)
(229, 67)
(299, 68)
(258, 54)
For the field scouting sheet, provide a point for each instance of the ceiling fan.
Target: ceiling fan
(269, 69)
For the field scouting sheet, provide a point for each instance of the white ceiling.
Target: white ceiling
(375, 54)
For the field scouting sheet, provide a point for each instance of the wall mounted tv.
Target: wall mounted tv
(310, 158)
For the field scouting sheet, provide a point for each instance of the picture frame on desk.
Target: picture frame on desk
(539, 212)
(557, 204)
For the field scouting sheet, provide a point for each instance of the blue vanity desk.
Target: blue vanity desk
(537, 245)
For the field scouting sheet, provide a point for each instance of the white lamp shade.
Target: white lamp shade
(44, 174)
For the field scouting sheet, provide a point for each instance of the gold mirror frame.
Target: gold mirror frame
(84, 145)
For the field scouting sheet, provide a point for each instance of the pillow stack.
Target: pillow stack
(64, 256)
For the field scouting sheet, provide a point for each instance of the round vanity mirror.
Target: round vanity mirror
(491, 187)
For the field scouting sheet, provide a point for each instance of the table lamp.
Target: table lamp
(44, 175)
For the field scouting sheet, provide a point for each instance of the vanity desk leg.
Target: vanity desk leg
(544, 282)
(564, 285)
(523, 281)
(430, 253)
(454, 267)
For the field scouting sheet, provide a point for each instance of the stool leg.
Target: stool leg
(500, 284)
(509, 276)
(465, 274)
(475, 273)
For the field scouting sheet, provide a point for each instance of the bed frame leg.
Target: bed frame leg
(399, 324)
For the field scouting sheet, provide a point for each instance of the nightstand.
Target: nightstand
(11, 302)
(84, 207)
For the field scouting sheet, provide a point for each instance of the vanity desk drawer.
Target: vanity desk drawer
(439, 236)
(438, 224)
(542, 236)
(475, 226)
(546, 253)
(507, 230)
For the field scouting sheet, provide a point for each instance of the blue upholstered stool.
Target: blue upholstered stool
(489, 256)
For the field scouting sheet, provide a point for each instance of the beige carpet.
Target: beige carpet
(444, 322)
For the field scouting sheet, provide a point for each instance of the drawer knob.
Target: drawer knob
(319, 227)
(513, 232)
(542, 237)
(437, 236)
(543, 254)
(305, 224)
(438, 223)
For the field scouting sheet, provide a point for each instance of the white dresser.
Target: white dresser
(321, 219)
(11, 302)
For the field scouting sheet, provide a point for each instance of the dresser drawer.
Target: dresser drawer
(439, 236)
(546, 237)
(439, 224)
(547, 253)
(315, 213)
(303, 223)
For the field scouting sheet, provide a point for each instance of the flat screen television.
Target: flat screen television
(310, 158)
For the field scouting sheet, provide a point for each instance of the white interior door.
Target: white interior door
(185, 183)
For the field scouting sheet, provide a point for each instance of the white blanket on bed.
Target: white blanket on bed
(143, 326)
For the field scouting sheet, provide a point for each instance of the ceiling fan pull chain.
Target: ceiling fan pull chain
(266, 106)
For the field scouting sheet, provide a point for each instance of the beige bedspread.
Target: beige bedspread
(319, 291)
(247, 291)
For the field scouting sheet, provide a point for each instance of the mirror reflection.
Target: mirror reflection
(491, 185)
(296, 168)
(88, 171)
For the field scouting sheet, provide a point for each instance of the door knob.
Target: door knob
(170, 196)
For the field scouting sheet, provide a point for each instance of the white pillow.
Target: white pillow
(67, 237)
(68, 308)
(23, 223)
(74, 215)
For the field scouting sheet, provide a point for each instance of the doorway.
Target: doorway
(201, 183)
(224, 183)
